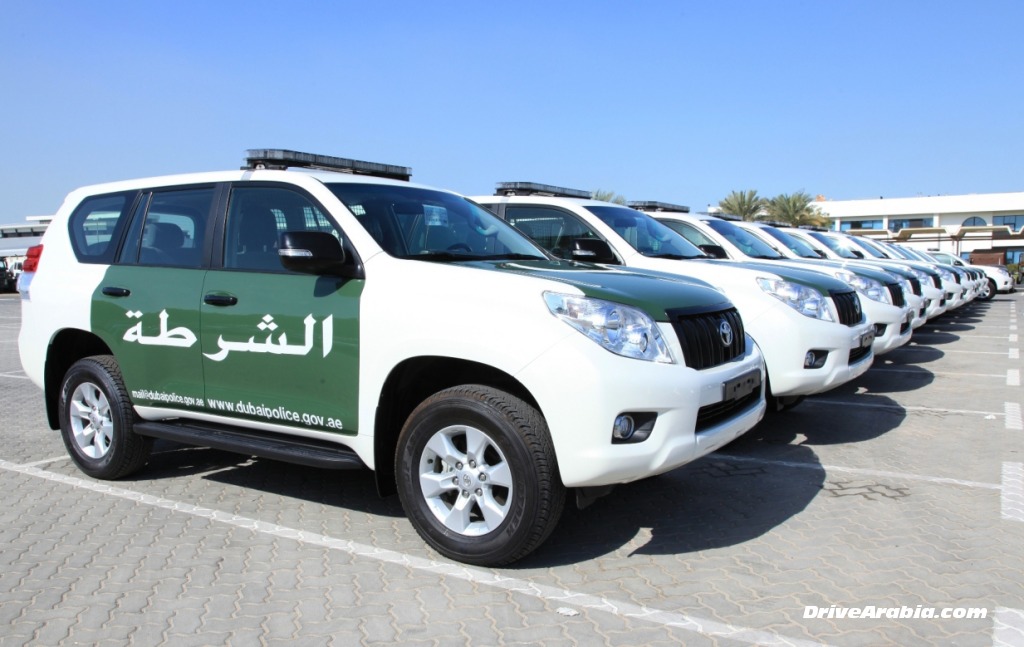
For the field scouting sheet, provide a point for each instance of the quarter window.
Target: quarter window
(95, 227)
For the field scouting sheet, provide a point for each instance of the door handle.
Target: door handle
(220, 300)
(111, 291)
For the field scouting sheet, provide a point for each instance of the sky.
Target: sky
(676, 101)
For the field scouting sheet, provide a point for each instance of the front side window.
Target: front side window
(425, 224)
(258, 215)
(645, 234)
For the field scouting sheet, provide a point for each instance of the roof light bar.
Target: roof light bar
(276, 158)
(654, 205)
(533, 188)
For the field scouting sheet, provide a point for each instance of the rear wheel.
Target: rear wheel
(477, 475)
(96, 419)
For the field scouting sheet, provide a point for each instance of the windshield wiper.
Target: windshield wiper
(765, 257)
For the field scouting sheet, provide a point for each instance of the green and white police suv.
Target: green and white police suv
(810, 327)
(340, 316)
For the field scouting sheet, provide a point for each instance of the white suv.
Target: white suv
(348, 320)
(810, 327)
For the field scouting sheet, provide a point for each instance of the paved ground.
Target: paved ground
(902, 490)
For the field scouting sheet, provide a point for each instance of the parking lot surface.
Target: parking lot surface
(897, 496)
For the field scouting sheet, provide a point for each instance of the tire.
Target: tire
(96, 420)
(988, 291)
(477, 475)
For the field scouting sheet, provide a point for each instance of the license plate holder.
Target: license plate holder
(741, 386)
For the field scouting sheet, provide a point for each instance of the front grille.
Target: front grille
(956, 277)
(712, 414)
(848, 305)
(896, 292)
(936, 281)
(703, 336)
(905, 327)
(915, 286)
(858, 354)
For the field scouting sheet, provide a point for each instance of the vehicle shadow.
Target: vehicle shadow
(885, 378)
(910, 355)
(718, 501)
(350, 489)
(932, 335)
(848, 416)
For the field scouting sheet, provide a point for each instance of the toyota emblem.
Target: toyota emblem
(725, 332)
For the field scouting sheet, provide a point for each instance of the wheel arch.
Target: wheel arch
(413, 381)
(67, 347)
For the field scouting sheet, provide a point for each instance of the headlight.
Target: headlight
(1005, 272)
(807, 301)
(620, 329)
(870, 288)
(946, 275)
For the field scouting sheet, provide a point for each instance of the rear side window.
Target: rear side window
(169, 228)
(96, 225)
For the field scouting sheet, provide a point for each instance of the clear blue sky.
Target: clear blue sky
(674, 101)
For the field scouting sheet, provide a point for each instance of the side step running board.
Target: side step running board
(248, 442)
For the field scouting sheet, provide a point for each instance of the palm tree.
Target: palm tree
(745, 204)
(607, 196)
(795, 209)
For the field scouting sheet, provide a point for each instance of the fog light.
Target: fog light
(879, 330)
(815, 358)
(623, 428)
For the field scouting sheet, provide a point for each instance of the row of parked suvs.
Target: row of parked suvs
(490, 358)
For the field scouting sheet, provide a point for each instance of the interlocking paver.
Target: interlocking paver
(743, 544)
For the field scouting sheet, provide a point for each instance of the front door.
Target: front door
(279, 347)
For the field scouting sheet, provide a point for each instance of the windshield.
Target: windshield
(745, 241)
(840, 247)
(425, 224)
(792, 243)
(867, 246)
(645, 234)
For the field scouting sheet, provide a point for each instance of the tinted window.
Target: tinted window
(169, 227)
(553, 229)
(794, 244)
(256, 218)
(645, 234)
(95, 227)
(745, 241)
(424, 224)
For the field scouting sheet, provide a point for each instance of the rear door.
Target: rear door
(146, 307)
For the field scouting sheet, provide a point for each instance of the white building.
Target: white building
(958, 224)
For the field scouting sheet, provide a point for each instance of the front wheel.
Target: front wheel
(988, 290)
(477, 475)
(96, 419)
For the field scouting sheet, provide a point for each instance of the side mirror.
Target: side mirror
(820, 253)
(315, 252)
(714, 251)
(593, 250)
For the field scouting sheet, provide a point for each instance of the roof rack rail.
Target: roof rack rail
(279, 159)
(654, 205)
(534, 188)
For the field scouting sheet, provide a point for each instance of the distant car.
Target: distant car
(998, 277)
(8, 280)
